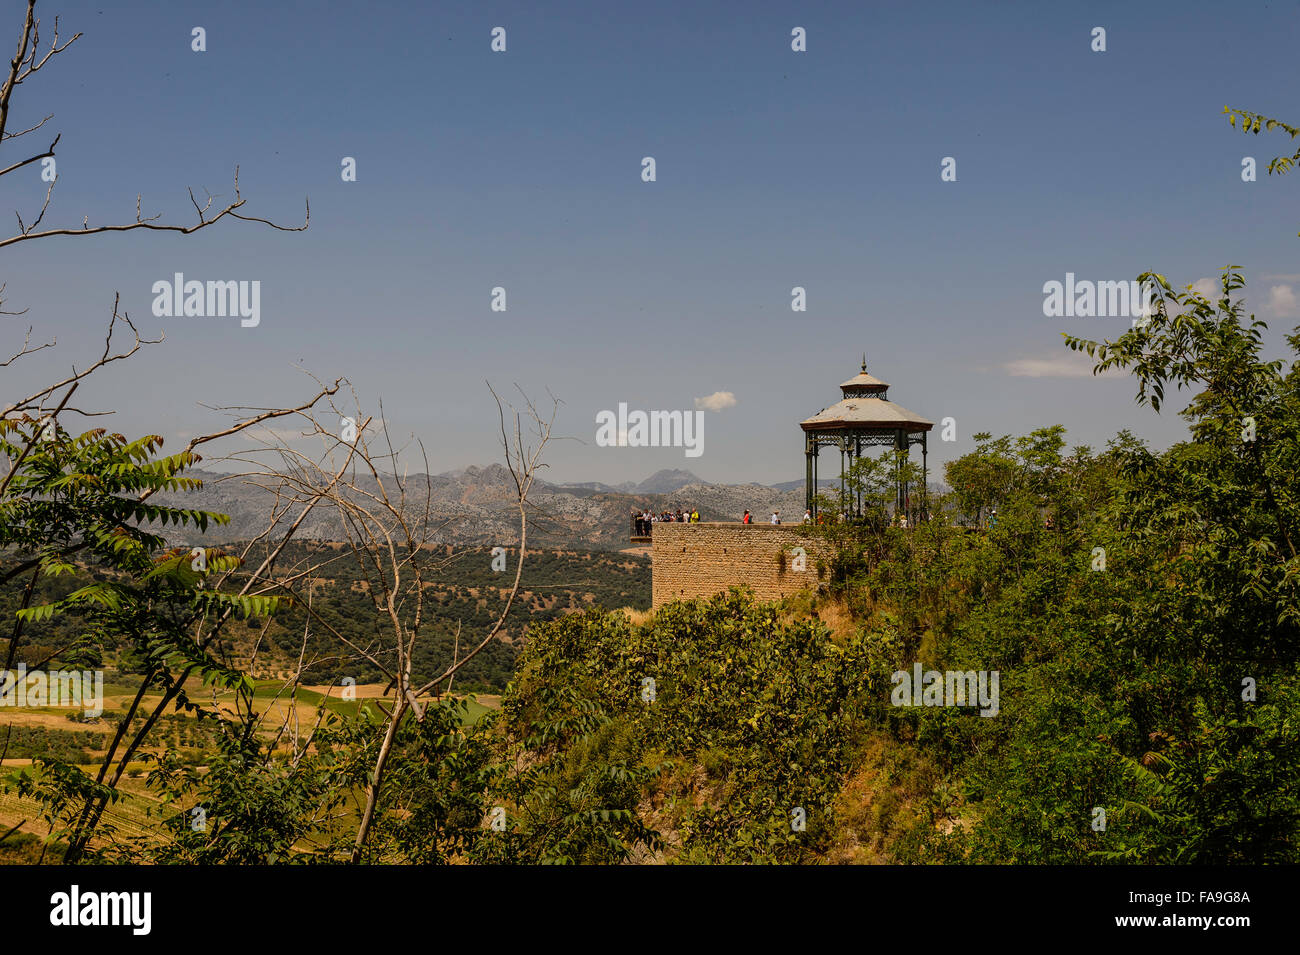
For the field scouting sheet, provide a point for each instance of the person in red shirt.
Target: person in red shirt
(745, 519)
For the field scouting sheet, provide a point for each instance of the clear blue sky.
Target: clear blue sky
(775, 169)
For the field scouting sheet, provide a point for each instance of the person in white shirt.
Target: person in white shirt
(775, 517)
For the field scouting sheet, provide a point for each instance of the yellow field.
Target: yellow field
(131, 814)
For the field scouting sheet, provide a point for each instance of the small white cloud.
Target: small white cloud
(1209, 289)
(1061, 365)
(716, 401)
(1282, 301)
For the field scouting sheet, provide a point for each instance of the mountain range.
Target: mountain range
(476, 506)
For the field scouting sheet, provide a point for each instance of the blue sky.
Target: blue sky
(775, 169)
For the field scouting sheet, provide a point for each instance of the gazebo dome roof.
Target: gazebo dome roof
(861, 413)
(865, 407)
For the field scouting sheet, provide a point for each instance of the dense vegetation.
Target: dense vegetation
(1140, 609)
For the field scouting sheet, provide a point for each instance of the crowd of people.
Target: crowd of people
(643, 521)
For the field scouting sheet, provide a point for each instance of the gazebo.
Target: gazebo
(864, 418)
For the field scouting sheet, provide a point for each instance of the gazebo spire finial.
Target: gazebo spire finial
(864, 363)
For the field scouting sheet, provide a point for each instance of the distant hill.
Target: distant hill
(661, 482)
(625, 487)
(824, 484)
(475, 507)
(666, 481)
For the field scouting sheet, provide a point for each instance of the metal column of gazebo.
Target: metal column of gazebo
(863, 418)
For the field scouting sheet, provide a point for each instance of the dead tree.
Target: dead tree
(383, 516)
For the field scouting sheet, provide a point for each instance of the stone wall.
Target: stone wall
(699, 560)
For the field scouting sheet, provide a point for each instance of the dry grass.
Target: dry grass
(637, 617)
(830, 611)
(865, 811)
(884, 800)
(837, 617)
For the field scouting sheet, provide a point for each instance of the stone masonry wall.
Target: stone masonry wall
(699, 560)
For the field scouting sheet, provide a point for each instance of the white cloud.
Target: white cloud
(1209, 289)
(716, 401)
(1061, 365)
(1282, 301)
